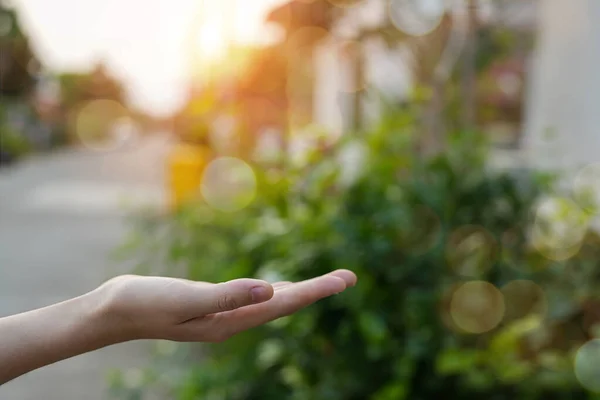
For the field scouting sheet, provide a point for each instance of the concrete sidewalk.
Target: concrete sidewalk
(60, 219)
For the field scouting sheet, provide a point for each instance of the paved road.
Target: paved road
(60, 218)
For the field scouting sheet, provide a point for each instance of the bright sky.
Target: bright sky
(144, 42)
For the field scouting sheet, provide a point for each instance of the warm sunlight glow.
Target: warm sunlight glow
(148, 46)
(212, 41)
(231, 22)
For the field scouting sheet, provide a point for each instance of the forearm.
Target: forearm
(41, 337)
(133, 307)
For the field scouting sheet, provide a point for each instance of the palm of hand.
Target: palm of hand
(181, 310)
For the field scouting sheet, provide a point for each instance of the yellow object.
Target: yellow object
(186, 165)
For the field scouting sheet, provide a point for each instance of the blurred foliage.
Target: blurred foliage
(12, 143)
(89, 89)
(413, 228)
(18, 64)
(21, 129)
(97, 84)
(16, 81)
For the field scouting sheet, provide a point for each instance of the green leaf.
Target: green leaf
(457, 361)
(394, 391)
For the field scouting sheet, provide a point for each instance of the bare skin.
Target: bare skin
(131, 307)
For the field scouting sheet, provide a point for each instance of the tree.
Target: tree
(17, 69)
(17, 62)
(97, 84)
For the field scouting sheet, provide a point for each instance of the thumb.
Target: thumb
(234, 294)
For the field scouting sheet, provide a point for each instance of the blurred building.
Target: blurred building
(562, 119)
(375, 49)
(334, 64)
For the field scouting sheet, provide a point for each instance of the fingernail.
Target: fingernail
(259, 294)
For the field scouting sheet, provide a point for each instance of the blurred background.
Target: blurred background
(446, 151)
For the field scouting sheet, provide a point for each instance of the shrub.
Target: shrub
(414, 229)
(13, 144)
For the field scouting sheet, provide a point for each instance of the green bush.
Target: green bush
(13, 143)
(413, 229)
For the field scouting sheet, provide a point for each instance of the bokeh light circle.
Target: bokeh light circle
(445, 306)
(586, 189)
(477, 307)
(559, 229)
(417, 17)
(470, 251)
(587, 367)
(523, 298)
(228, 184)
(102, 125)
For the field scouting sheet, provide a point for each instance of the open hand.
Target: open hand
(182, 310)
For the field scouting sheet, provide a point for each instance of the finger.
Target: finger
(279, 285)
(231, 295)
(283, 303)
(348, 276)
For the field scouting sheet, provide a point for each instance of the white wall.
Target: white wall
(332, 75)
(564, 95)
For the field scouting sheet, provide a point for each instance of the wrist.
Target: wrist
(98, 320)
(105, 314)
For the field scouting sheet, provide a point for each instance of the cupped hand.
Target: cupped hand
(182, 310)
